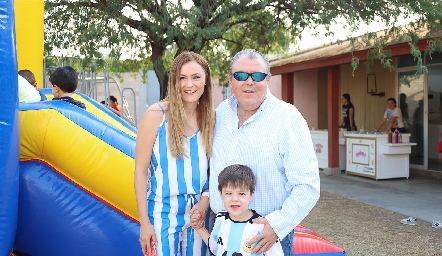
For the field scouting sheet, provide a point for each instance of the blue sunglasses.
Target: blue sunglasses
(243, 76)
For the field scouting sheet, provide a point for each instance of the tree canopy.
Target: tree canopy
(158, 30)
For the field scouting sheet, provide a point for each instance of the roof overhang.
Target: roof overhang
(334, 57)
(342, 53)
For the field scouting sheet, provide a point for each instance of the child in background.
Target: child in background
(26, 92)
(64, 82)
(113, 103)
(234, 227)
(30, 77)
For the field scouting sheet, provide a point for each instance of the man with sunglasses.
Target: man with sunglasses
(256, 129)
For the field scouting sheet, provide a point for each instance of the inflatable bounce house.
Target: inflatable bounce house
(66, 184)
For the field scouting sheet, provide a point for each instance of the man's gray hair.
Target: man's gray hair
(251, 54)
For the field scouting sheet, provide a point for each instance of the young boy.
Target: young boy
(26, 92)
(30, 77)
(234, 228)
(64, 82)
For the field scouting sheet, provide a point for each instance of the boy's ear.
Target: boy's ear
(252, 195)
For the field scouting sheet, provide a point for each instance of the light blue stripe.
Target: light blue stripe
(181, 198)
(181, 212)
(164, 163)
(194, 161)
(190, 241)
(153, 178)
(176, 243)
(182, 188)
(165, 223)
(215, 233)
(235, 235)
(150, 207)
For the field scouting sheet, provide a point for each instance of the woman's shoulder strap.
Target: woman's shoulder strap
(162, 108)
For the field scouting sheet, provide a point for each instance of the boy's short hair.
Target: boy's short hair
(237, 175)
(65, 78)
(28, 75)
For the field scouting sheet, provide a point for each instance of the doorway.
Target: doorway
(412, 104)
(434, 117)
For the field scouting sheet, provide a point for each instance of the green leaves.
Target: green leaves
(152, 32)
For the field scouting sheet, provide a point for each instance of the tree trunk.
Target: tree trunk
(160, 71)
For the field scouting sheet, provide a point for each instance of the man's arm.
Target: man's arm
(302, 173)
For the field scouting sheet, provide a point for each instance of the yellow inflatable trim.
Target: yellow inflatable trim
(97, 167)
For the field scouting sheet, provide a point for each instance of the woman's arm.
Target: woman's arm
(381, 123)
(201, 230)
(146, 136)
(201, 207)
(392, 120)
(204, 234)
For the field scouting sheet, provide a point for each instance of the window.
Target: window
(406, 61)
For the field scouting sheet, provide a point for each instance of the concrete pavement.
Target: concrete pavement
(418, 196)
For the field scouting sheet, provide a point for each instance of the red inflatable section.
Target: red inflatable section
(439, 148)
(308, 242)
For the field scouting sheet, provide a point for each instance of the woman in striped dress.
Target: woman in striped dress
(174, 143)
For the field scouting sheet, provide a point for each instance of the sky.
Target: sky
(309, 40)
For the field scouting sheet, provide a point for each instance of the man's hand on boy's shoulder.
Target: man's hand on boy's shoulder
(266, 239)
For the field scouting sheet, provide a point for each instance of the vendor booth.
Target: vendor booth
(320, 145)
(370, 155)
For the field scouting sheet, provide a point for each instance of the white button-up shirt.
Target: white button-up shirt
(276, 144)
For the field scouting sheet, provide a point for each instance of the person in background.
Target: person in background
(270, 136)
(64, 82)
(30, 77)
(403, 105)
(113, 103)
(234, 227)
(26, 92)
(348, 113)
(173, 147)
(393, 117)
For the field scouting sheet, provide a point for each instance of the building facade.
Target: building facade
(314, 81)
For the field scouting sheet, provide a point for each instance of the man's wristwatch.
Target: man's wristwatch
(205, 194)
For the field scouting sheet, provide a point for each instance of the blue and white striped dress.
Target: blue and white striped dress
(175, 187)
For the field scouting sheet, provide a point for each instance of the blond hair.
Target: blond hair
(177, 117)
